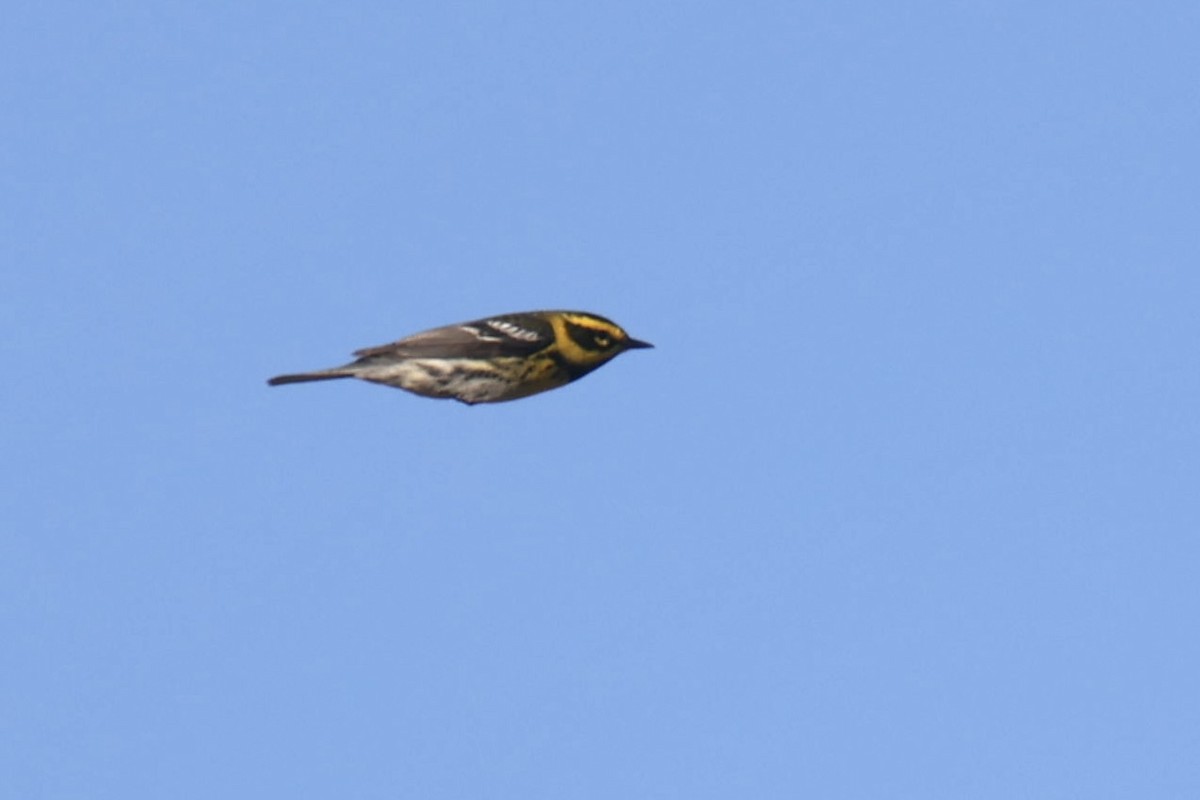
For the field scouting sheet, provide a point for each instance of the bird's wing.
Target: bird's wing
(504, 335)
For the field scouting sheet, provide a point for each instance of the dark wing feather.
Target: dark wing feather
(504, 335)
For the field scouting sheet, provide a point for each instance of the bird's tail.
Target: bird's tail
(305, 377)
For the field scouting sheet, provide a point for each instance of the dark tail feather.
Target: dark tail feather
(305, 377)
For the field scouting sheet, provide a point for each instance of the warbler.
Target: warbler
(490, 360)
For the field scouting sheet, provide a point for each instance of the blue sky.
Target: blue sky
(904, 504)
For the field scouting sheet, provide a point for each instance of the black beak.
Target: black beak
(634, 344)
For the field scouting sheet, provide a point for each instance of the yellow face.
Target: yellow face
(585, 339)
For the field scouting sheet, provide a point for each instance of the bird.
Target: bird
(490, 360)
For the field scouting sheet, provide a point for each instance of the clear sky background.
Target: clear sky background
(905, 504)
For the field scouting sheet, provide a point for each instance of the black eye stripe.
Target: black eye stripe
(586, 337)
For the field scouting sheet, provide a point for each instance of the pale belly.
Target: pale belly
(469, 381)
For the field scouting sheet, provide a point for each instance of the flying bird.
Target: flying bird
(490, 360)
